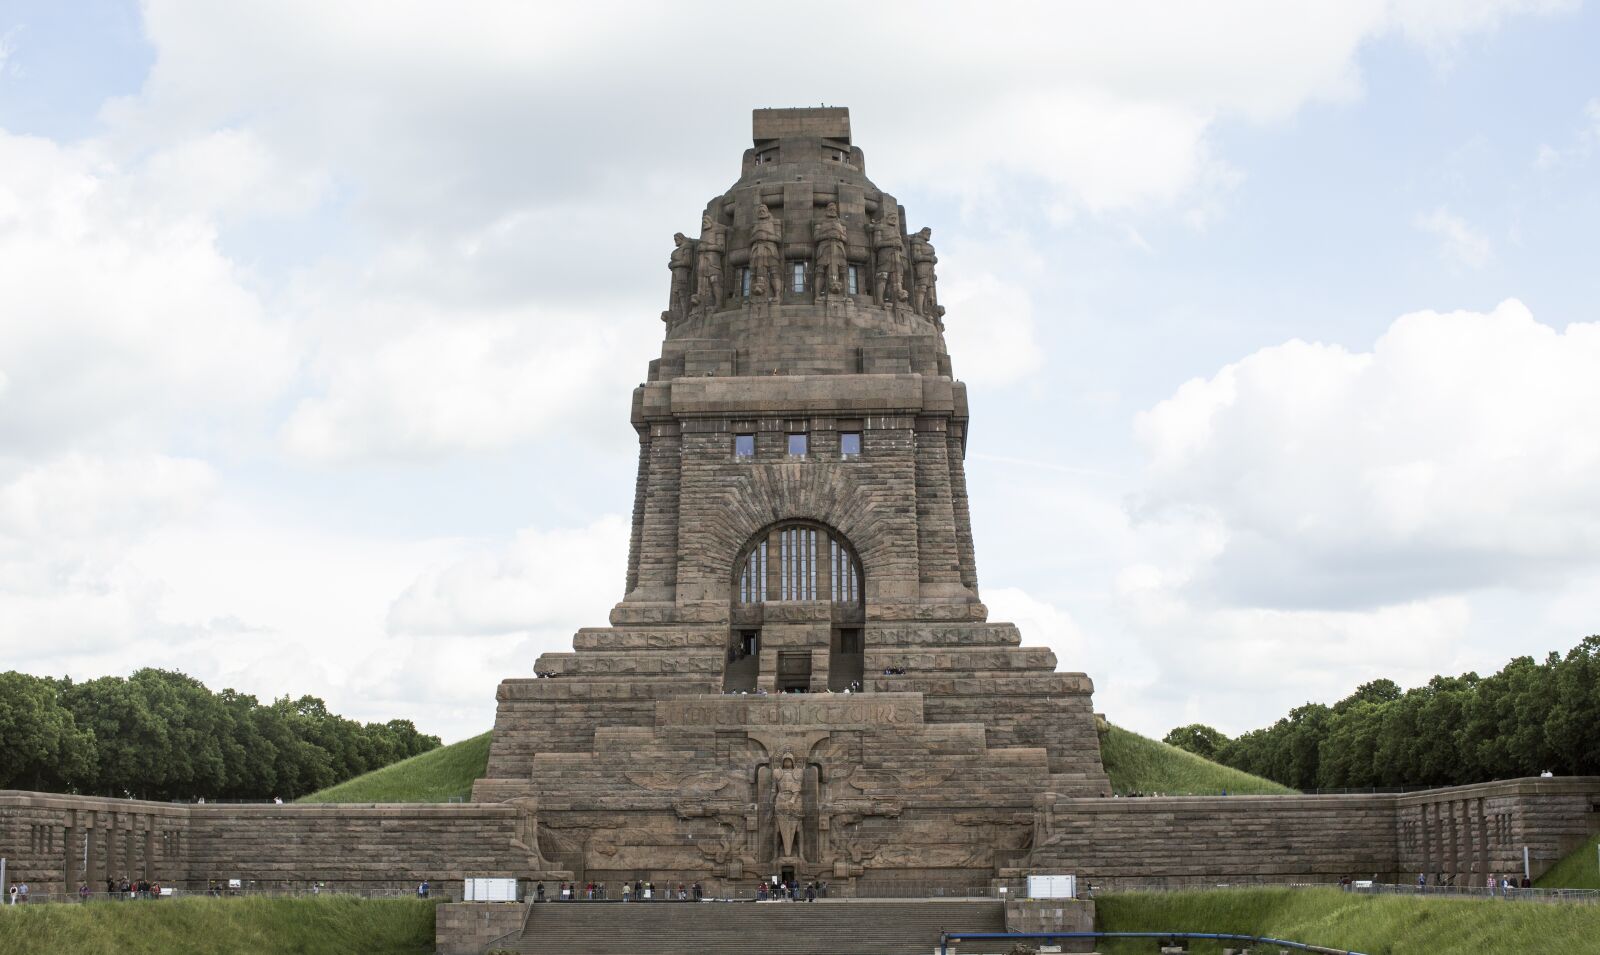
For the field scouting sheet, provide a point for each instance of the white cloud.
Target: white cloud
(1459, 453)
(122, 318)
(541, 581)
(1459, 242)
(456, 385)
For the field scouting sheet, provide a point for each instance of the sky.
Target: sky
(319, 324)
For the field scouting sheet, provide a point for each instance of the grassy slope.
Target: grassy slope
(1579, 870)
(1134, 763)
(434, 776)
(1375, 925)
(1138, 764)
(330, 925)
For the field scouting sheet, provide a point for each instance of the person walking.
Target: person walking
(538, 891)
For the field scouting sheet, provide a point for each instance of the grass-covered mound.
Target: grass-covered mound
(434, 776)
(1579, 870)
(1375, 925)
(1139, 764)
(330, 925)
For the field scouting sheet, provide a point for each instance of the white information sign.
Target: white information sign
(1052, 886)
(490, 890)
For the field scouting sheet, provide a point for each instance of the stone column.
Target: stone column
(1426, 838)
(638, 515)
(1469, 859)
(1455, 843)
(1483, 838)
(957, 454)
(71, 845)
(150, 870)
(96, 873)
(938, 558)
(658, 542)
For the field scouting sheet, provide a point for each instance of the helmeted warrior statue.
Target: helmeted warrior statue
(681, 262)
(891, 252)
(830, 235)
(788, 806)
(708, 262)
(924, 297)
(765, 234)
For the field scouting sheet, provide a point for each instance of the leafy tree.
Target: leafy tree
(41, 744)
(1198, 739)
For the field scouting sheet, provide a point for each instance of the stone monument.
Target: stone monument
(800, 679)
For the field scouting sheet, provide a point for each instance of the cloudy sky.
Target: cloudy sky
(318, 324)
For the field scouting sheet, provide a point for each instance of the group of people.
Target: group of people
(637, 891)
(17, 894)
(790, 890)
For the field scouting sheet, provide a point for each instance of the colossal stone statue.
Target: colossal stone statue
(765, 234)
(788, 806)
(830, 236)
(891, 253)
(681, 262)
(925, 299)
(708, 261)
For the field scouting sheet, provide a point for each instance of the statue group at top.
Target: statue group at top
(698, 266)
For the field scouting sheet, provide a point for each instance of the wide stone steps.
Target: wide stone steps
(824, 927)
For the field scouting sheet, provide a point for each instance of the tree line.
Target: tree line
(159, 734)
(1528, 718)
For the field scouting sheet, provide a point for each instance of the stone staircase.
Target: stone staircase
(824, 927)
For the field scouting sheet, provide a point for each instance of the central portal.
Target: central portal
(798, 599)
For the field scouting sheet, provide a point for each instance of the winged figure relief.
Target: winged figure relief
(899, 780)
(683, 784)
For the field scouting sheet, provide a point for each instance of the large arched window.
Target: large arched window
(798, 561)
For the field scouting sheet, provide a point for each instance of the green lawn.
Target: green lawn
(331, 925)
(1374, 925)
(434, 776)
(1579, 870)
(1138, 764)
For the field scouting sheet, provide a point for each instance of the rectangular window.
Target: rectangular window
(850, 444)
(744, 445)
(744, 282)
(797, 281)
(855, 280)
(797, 445)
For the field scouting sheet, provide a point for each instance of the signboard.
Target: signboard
(1052, 886)
(490, 890)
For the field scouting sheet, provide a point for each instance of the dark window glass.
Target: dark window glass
(797, 445)
(744, 445)
(850, 443)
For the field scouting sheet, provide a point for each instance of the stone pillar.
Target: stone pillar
(71, 845)
(1483, 838)
(96, 872)
(1426, 837)
(638, 515)
(658, 542)
(957, 454)
(1454, 857)
(150, 870)
(938, 559)
(1469, 858)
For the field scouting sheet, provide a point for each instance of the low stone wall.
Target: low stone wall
(467, 928)
(354, 847)
(1200, 840)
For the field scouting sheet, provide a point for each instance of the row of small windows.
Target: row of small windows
(798, 279)
(799, 444)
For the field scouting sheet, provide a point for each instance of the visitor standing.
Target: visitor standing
(83, 891)
(538, 892)
(423, 888)
(699, 893)
(22, 892)
(11, 896)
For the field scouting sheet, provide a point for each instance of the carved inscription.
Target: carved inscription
(779, 712)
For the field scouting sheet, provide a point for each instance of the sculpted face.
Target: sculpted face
(832, 211)
(678, 238)
(762, 212)
(925, 232)
(705, 221)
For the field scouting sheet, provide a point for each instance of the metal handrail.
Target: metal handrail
(945, 938)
